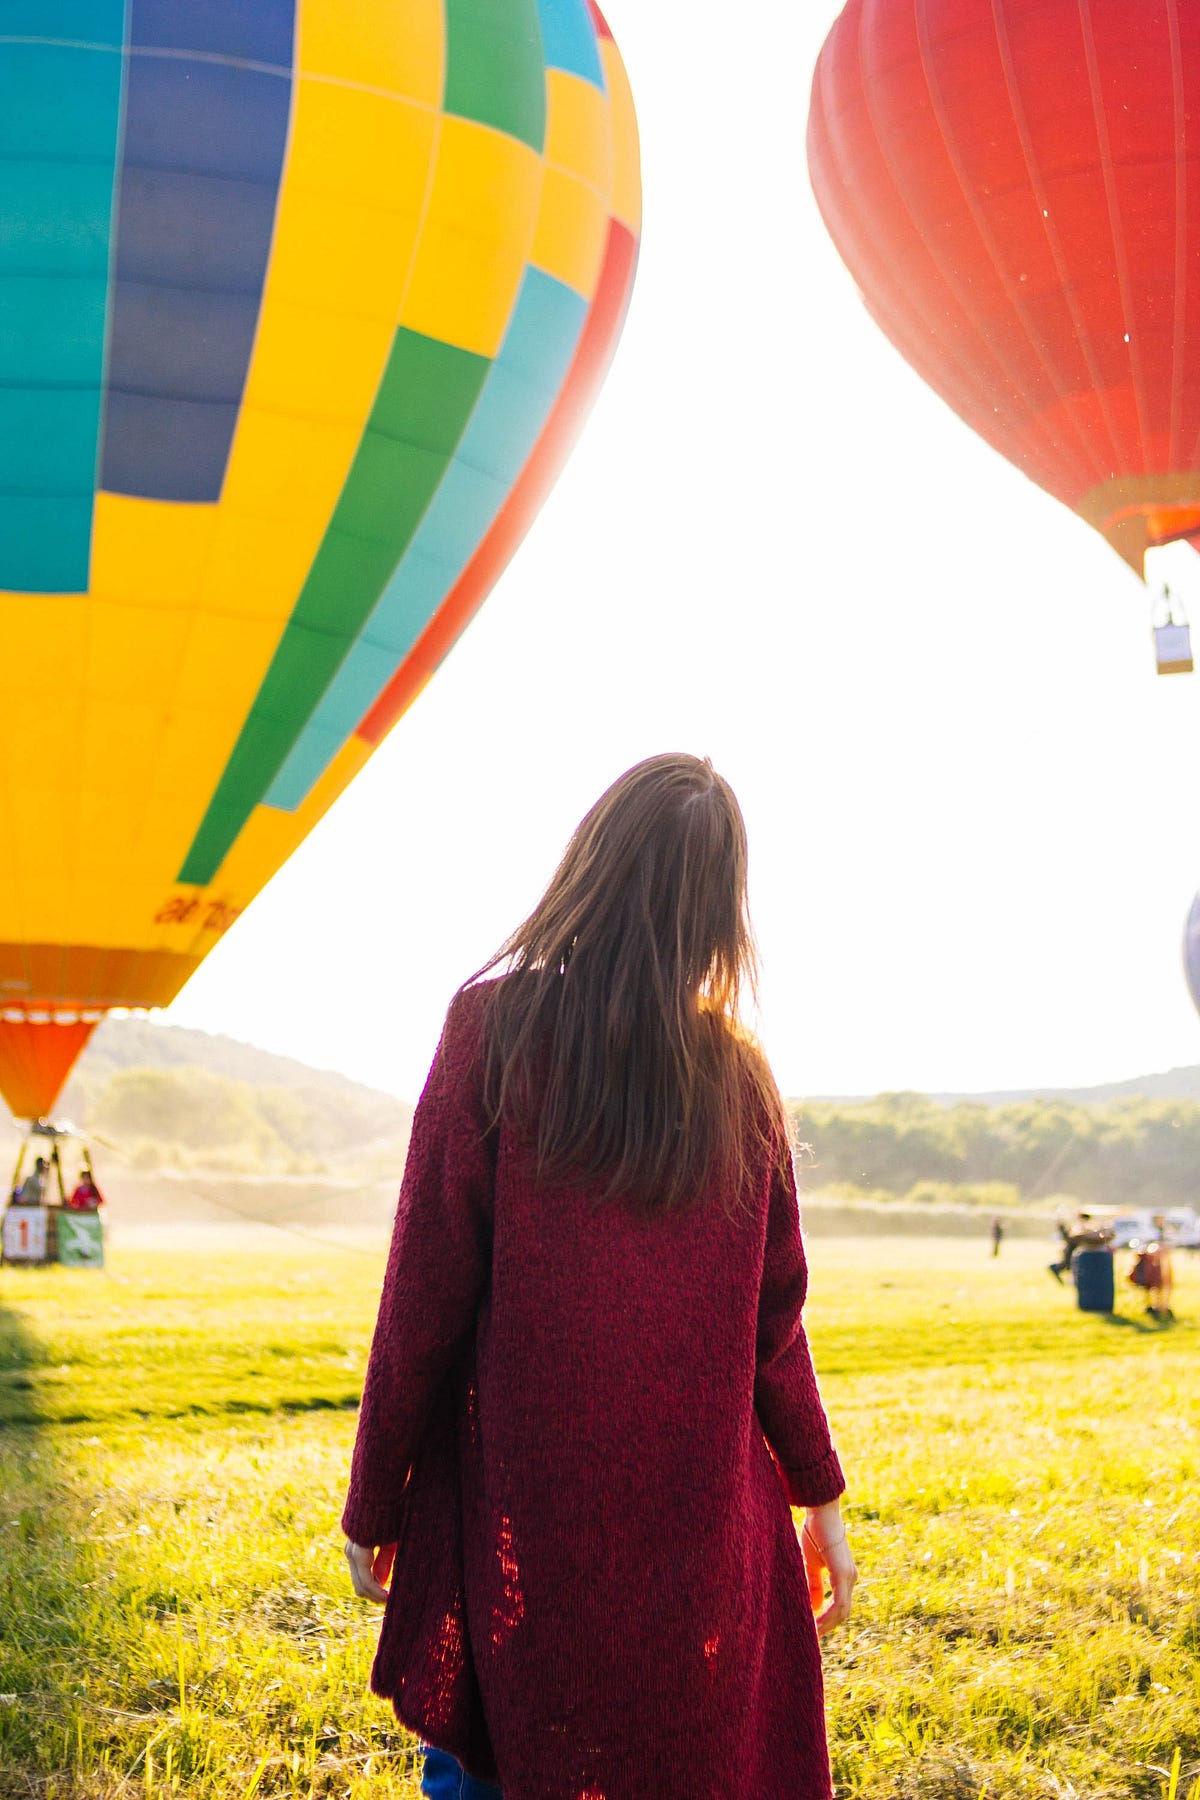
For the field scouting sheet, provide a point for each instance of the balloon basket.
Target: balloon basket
(40, 1224)
(1173, 649)
(34, 1236)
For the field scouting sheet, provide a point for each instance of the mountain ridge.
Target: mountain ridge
(1181, 1083)
(139, 1042)
(169, 1097)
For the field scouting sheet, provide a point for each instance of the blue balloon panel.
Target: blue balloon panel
(569, 39)
(249, 30)
(60, 108)
(205, 138)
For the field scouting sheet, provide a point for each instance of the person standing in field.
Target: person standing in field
(590, 1404)
(1153, 1273)
(997, 1235)
(1160, 1296)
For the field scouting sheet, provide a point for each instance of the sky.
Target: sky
(969, 797)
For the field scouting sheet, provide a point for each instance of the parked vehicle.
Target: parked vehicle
(1133, 1229)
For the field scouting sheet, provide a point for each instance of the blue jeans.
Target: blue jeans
(444, 1779)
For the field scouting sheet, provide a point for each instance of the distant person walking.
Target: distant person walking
(590, 1403)
(997, 1235)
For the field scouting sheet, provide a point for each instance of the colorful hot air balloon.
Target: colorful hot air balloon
(1015, 190)
(302, 305)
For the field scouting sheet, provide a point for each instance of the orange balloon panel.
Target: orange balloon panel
(36, 1056)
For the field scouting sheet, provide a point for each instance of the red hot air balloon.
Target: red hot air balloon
(1015, 187)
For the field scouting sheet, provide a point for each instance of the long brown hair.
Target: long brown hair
(613, 1043)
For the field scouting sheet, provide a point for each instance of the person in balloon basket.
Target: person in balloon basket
(32, 1191)
(86, 1196)
(590, 1405)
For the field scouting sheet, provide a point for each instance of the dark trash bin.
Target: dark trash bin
(1095, 1286)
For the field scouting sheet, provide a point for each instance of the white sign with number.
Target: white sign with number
(25, 1234)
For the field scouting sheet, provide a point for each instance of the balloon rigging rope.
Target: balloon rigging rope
(253, 1218)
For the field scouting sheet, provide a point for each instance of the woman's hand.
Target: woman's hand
(370, 1568)
(827, 1553)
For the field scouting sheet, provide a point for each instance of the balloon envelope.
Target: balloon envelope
(1013, 188)
(303, 305)
(1191, 951)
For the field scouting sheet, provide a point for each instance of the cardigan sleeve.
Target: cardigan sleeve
(437, 1272)
(785, 1388)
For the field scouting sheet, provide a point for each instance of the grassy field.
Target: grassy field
(175, 1619)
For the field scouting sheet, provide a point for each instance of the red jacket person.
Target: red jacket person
(590, 1403)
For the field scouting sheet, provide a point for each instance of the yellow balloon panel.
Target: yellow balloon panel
(475, 238)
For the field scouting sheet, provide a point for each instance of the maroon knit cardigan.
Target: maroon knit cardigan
(598, 1591)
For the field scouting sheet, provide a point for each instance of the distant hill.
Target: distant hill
(119, 1044)
(143, 1043)
(195, 1130)
(1168, 1084)
(166, 1098)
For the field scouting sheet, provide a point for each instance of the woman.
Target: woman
(1152, 1272)
(590, 1403)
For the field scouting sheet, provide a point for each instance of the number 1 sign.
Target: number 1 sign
(25, 1234)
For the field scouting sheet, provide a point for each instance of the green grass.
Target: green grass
(175, 1617)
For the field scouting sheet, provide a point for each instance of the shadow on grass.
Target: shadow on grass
(1144, 1327)
(41, 1569)
(20, 1355)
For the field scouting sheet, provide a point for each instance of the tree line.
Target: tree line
(1127, 1152)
